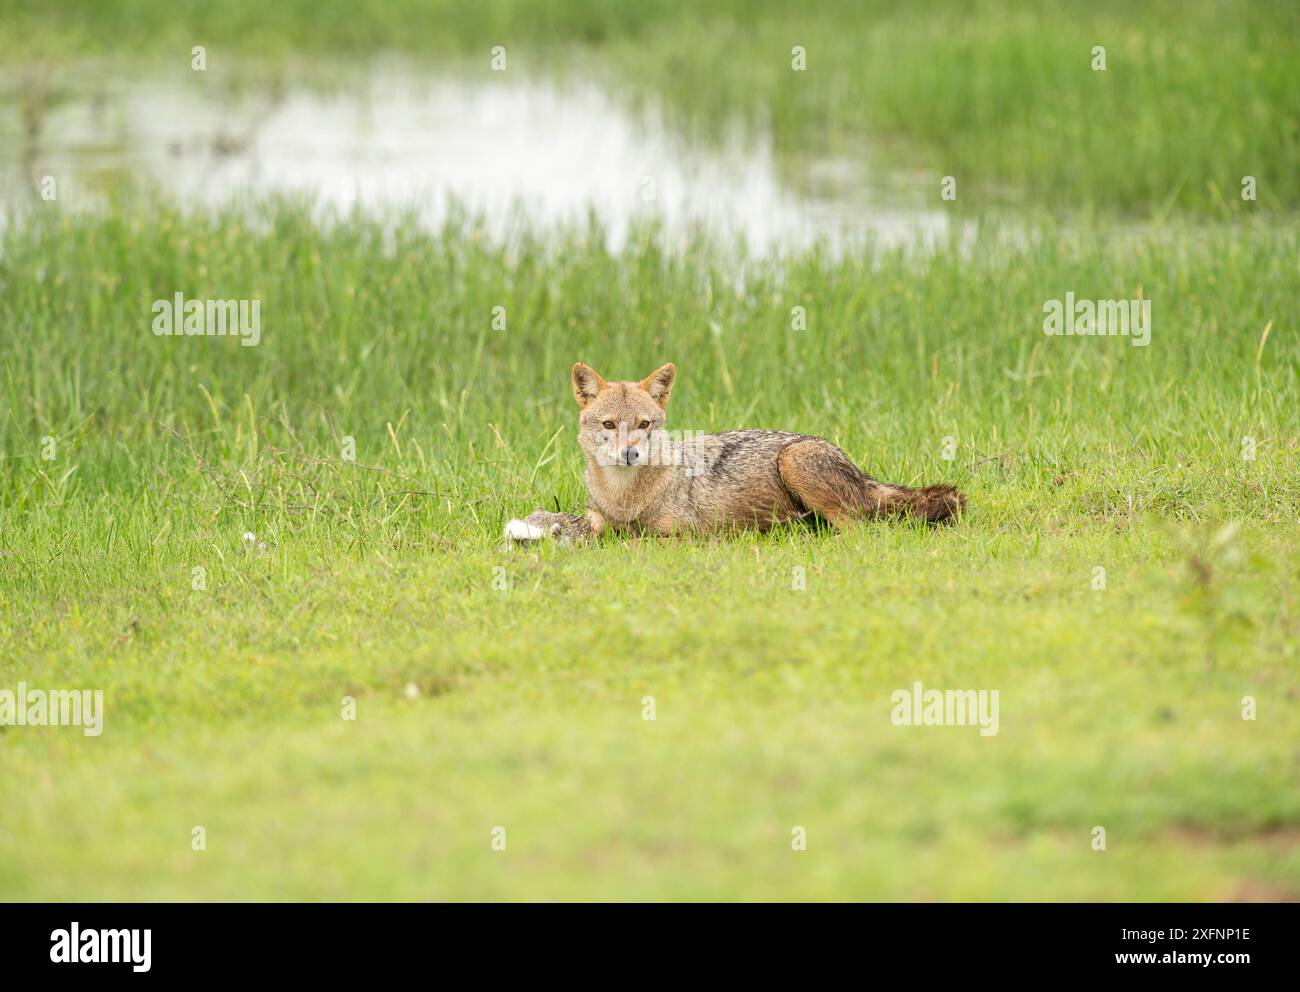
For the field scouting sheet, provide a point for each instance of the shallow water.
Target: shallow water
(394, 136)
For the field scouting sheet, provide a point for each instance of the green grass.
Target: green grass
(1002, 96)
(380, 579)
(1119, 707)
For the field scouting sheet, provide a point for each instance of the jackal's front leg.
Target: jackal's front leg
(542, 524)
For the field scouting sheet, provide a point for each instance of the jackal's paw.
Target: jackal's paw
(541, 524)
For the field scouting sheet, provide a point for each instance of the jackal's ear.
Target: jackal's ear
(587, 383)
(659, 383)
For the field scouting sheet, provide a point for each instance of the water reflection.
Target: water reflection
(394, 136)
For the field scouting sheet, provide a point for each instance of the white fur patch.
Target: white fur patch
(522, 530)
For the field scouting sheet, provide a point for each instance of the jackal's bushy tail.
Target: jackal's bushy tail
(930, 503)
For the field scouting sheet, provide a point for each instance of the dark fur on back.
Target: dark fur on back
(641, 479)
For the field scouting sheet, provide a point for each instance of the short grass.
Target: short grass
(1121, 707)
(1001, 95)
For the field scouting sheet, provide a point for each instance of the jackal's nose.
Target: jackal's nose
(630, 456)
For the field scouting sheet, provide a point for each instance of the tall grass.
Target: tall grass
(381, 331)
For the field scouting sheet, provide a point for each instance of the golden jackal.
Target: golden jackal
(642, 480)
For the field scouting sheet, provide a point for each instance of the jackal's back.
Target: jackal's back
(732, 479)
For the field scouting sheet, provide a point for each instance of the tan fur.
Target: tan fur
(641, 480)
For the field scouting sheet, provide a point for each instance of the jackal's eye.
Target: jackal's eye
(643, 425)
(609, 425)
